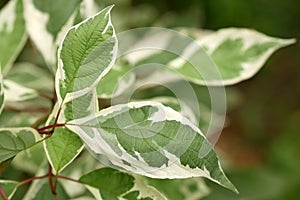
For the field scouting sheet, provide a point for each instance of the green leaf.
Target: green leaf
(150, 139)
(12, 33)
(30, 160)
(9, 187)
(15, 92)
(1, 92)
(121, 185)
(238, 54)
(178, 189)
(86, 55)
(42, 191)
(116, 81)
(14, 140)
(62, 148)
(48, 20)
(64, 145)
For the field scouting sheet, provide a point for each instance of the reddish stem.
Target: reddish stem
(52, 126)
(31, 179)
(50, 176)
(3, 195)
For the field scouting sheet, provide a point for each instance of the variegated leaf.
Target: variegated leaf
(47, 21)
(116, 81)
(237, 52)
(14, 140)
(86, 54)
(9, 187)
(224, 57)
(149, 139)
(121, 185)
(1, 92)
(40, 80)
(15, 92)
(12, 33)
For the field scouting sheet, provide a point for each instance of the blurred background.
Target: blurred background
(261, 144)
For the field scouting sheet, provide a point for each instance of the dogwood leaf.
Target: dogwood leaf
(149, 139)
(47, 21)
(14, 140)
(12, 33)
(121, 185)
(85, 55)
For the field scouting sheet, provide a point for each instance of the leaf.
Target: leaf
(178, 189)
(238, 54)
(149, 139)
(86, 54)
(225, 57)
(14, 140)
(9, 187)
(121, 185)
(30, 160)
(62, 148)
(116, 81)
(47, 21)
(12, 33)
(18, 119)
(64, 145)
(42, 191)
(15, 92)
(1, 93)
(22, 73)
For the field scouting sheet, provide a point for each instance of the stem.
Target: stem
(31, 179)
(50, 176)
(3, 195)
(52, 126)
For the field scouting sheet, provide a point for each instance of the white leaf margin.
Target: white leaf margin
(60, 74)
(250, 37)
(14, 190)
(175, 170)
(36, 22)
(7, 18)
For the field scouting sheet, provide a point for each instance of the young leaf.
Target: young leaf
(1, 93)
(9, 187)
(47, 21)
(121, 185)
(238, 54)
(12, 33)
(14, 140)
(85, 55)
(150, 139)
(15, 92)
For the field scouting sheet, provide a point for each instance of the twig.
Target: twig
(31, 179)
(3, 195)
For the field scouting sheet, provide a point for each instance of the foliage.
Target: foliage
(143, 144)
